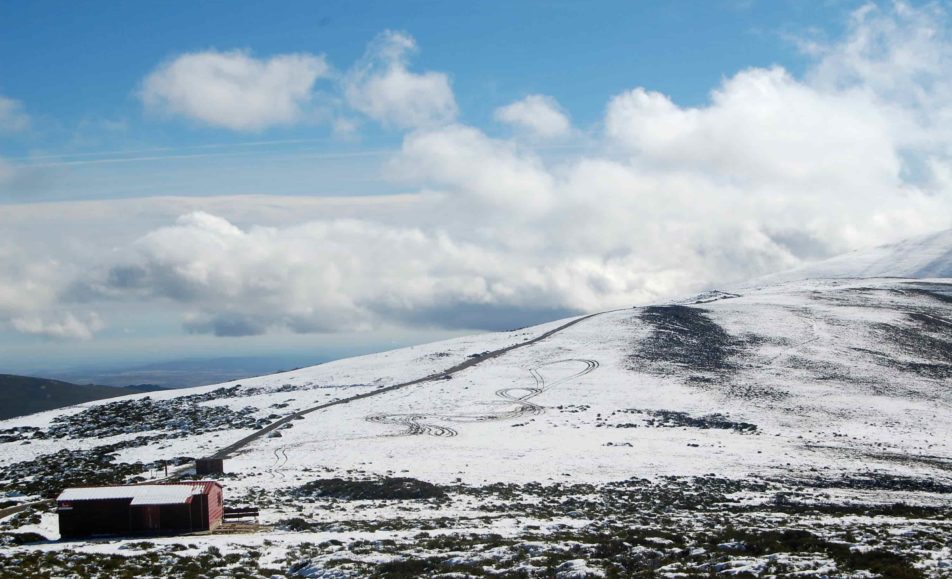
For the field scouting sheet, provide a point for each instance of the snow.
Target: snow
(168, 494)
(819, 367)
(926, 256)
(469, 429)
(577, 569)
(797, 432)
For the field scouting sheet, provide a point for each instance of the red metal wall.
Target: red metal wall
(118, 517)
(216, 507)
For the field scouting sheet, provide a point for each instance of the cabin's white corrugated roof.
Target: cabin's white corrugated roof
(140, 494)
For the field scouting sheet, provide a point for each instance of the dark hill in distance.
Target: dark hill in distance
(22, 395)
(184, 373)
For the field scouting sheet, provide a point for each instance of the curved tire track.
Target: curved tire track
(412, 425)
(234, 447)
(280, 459)
(520, 396)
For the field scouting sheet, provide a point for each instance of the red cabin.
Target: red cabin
(152, 508)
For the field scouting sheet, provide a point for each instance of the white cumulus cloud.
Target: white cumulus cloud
(319, 276)
(233, 89)
(476, 169)
(382, 87)
(540, 115)
(761, 127)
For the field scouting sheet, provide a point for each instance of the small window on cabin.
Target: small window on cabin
(219, 500)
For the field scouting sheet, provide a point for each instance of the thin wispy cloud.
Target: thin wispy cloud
(118, 152)
(313, 154)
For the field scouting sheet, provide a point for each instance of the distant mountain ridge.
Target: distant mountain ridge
(23, 395)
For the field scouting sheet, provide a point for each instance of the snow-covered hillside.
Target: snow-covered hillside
(800, 427)
(926, 256)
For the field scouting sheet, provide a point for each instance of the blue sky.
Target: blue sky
(78, 66)
(210, 178)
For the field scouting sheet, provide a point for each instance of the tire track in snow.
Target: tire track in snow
(280, 459)
(412, 424)
(525, 405)
(520, 396)
(234, 447)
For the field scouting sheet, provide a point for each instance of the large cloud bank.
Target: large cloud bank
(29, 297)
(773, 171)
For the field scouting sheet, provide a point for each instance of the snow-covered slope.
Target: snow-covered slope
(926, 256)
(831, 376)
(834, 393)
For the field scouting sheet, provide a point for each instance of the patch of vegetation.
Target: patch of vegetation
(874, 481)
(684, 337)
(926, 341)
(902, 510)
(399, 488)
(185, 415)
(672, 419)
(20, 434)
(153, 562)
(412, 567)
(883, 563)
(296, 524)
(50, 473)
(14, 539)
(28, 516)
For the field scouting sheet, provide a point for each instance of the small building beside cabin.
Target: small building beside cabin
(134, 509)
(207, 466)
